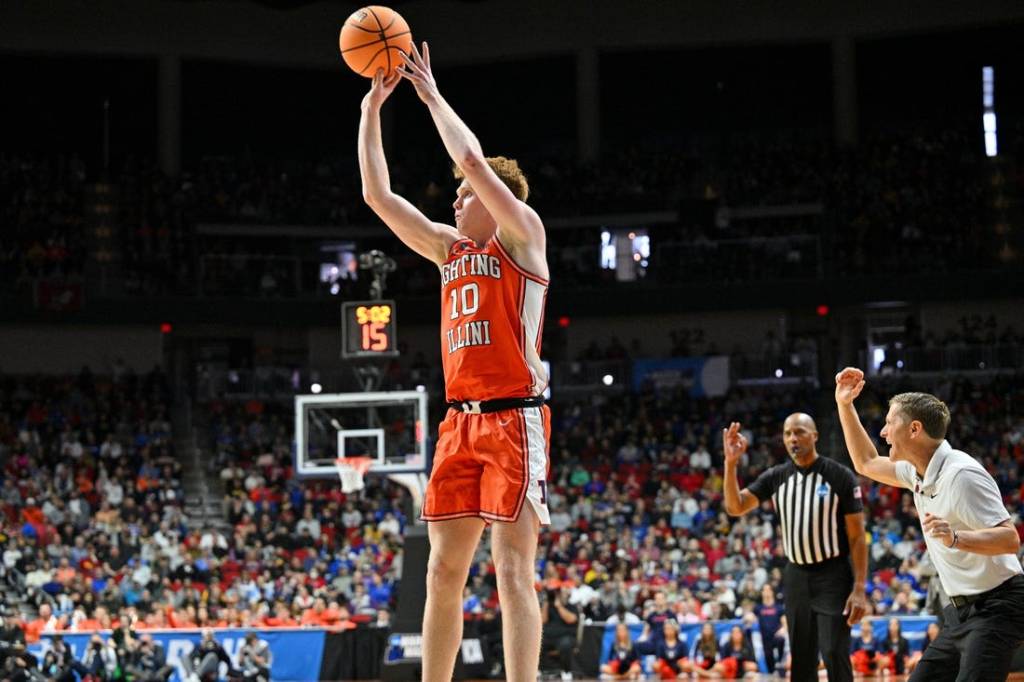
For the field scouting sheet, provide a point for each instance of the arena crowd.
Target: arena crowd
(95, 537)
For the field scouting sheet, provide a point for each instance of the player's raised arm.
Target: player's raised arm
(517, 223)
(867, 462)
(427, 238)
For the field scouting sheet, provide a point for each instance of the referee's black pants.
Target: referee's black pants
(815, 597)
(977, 641)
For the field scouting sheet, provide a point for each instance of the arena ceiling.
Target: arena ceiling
(295, 4)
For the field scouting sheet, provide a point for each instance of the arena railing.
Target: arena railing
(567, 376)
(980, 358)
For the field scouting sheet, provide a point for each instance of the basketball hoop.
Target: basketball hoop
(351, 471)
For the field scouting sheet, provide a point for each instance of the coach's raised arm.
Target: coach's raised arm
(866, 460)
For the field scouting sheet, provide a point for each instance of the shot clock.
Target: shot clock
(369, 329)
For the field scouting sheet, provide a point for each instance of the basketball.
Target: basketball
(372, 39)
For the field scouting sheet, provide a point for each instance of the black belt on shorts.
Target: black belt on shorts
(485, 406)
(967, 600)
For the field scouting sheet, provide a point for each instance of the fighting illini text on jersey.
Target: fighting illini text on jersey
(492, 317)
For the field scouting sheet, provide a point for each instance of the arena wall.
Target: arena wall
(62, 350)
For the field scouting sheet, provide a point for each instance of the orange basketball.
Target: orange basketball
(372, 39)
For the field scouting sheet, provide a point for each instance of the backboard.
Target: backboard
(390, 427)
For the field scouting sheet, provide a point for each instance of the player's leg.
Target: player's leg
(452, 546)
(512, 445)
(514, 548)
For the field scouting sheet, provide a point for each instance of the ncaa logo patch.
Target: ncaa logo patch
(856, 492)
(822, 490)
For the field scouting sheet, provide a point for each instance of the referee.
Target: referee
(819, 507)
(967, 530)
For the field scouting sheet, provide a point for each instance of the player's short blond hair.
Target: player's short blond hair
(509, 172)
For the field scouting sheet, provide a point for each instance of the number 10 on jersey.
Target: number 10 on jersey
(464, 301)
(468, 295)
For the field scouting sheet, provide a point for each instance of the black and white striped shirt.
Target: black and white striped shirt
(811, 504)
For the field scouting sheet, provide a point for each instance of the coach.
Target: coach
(967, 530)
(819, 506)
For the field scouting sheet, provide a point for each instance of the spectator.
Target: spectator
(737, 656)
(561, 623)
(769, 620)
(203, 663)
(19, 665)
(700, 459)
(255, 659)
(100, 658)
(59, 662)
(383, 620)
(623, 662)
(864, 652)
(671, 659)
(706, 650)
(148, 661)
(929, 636)
(658, 615)
(11, 635)
(893, 650)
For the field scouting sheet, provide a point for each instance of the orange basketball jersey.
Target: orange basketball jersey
(492, 317)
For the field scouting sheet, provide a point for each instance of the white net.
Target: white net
(351, 471)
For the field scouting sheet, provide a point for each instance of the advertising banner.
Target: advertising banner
(296, 653)
(703, 377)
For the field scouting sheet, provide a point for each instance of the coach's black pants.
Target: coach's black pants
(978, 641)
(815, 598)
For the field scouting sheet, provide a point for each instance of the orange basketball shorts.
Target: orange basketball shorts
(489, 465)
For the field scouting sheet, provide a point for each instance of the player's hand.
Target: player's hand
(938, 529)
(856, 606)
(417, 71)
(734, 443)
(849, 384)
(381, 89)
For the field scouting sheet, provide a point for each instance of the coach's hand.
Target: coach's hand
(417, 71)
(381, 89)
(849, 384)
(734, 443)
(938, 529)
(856, 606)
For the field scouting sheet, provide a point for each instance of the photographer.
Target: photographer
(10, 634)
(59, 662)
(16, 663)
(100, 659)
(148, 661)
(561, 625)
(20, 665)
(125, 644)
(255, 659)
(203, 663)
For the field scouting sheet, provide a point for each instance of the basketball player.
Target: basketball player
(968, 531)
(490, 464)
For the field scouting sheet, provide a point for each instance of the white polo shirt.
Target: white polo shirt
(958, 489)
